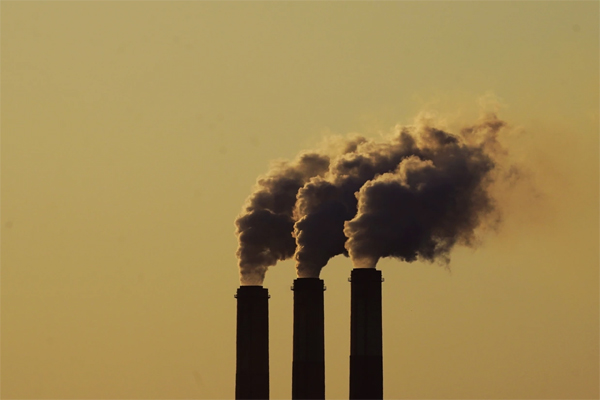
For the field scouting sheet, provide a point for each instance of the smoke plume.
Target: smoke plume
(413, 195)
(265, 227)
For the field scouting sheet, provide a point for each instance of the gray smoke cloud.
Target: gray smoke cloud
(325, 204)
(412, 195)
(265, 227)
(431, 201)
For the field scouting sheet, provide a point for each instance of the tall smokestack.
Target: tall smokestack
(308, 365)
(366, 359)
(252, 343)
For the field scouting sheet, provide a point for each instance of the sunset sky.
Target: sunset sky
(133, 131)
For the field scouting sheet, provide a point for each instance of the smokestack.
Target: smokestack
(366, 359)
(308, 365)
(252, 343)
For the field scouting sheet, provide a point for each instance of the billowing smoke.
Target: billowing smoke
(412, 195)
(429, 202)
(325, 204)
(265, 227)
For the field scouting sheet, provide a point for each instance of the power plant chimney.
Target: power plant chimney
(252, 343)
(308, 365)
(366, 359)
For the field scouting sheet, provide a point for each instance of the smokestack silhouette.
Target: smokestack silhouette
(412, 195)
(366, 343)
(308, 365)
(252, 343)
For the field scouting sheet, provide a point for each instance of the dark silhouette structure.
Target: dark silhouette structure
(366, 343)
(252, 343)
(308, 365)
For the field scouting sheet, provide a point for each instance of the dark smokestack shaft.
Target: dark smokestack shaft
(308, 366)
(366, 345)
(252, 364)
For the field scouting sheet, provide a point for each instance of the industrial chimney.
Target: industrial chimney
(308, 365)
(366, 359)
(252, 343)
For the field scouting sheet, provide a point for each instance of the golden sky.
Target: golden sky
(133, 131)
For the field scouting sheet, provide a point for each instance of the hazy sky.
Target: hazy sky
(132, 133)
